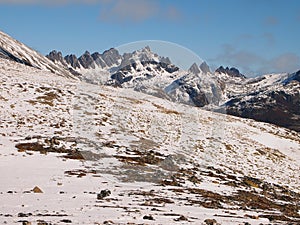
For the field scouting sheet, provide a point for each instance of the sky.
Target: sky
(255, 36)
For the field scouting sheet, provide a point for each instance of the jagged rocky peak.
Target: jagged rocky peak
(146, 49)
(145, 55)
(56, 56)
(233, 72)
(204, 67)
(194, 69)
(86, 60)
(72, 61)
(165, 60)
(111, 56)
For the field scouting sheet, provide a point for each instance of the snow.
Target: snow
(107, 123)
(28, 55)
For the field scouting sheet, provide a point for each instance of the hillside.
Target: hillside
(109, 155)
(272, 98)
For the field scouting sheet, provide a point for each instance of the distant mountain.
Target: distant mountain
(18, 52)
(269, 98)
(124, 157)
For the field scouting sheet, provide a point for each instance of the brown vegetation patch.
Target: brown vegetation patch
(141, 159)
(50, 145)
(165, 110)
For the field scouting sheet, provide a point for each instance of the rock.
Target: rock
(103, 194)
(98, 59)
(86, 60)
(56, 57)
(165, 60)
(66, 221)
(72, 61)
(210, 222)
(26, 223)
(24, 214)
(148, 217)
(111, 56)
(194, 69)
(233, 72)
(181, 218)
(36, 189)
(204, 68)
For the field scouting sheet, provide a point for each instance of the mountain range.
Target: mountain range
(133, 139)
(272, 98)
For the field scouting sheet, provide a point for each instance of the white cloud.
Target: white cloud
(253, 64)
(121, 11)
(271, 21)
(129, 10)
(287, 62)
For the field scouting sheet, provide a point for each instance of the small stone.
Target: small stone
(26, 223)
(181, 218)
(66, 221)
(36, 189)
(210, 222)
(103, 194)
(148, 217)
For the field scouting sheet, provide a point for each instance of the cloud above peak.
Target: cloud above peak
(271, 21)
(253, 64)
(137, 11)
(130, 10)
(116, 11)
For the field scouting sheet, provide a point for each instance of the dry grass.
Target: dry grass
(165, 110)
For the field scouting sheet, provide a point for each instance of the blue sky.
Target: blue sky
(256, 36)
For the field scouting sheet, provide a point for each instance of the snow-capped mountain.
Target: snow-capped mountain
(18, 52)
(269, 98)
(72, 152)
(106, 154)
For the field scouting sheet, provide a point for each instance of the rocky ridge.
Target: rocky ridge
(268, 98)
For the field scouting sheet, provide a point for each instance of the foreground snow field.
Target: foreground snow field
(104, 155)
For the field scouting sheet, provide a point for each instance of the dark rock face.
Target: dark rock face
(233, 72)
(111, 56)
(198, 98)
(204, 68)
(277, 107)
(165, 60)
(103, 194)
(194, 69)
(7, 55)
(97, 57)
(72, 60)
(297, 76)
(86, 60)
(292, 77)
(56, 57)
(170, 68)
(120, 78)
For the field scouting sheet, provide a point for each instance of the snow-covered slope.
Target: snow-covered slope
(271, 98)
(115, 156)
(17, 51)
(225, 90)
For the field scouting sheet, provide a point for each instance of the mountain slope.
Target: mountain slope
(115, 156)
(18, 52)
(274, 99)
(269, 98)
